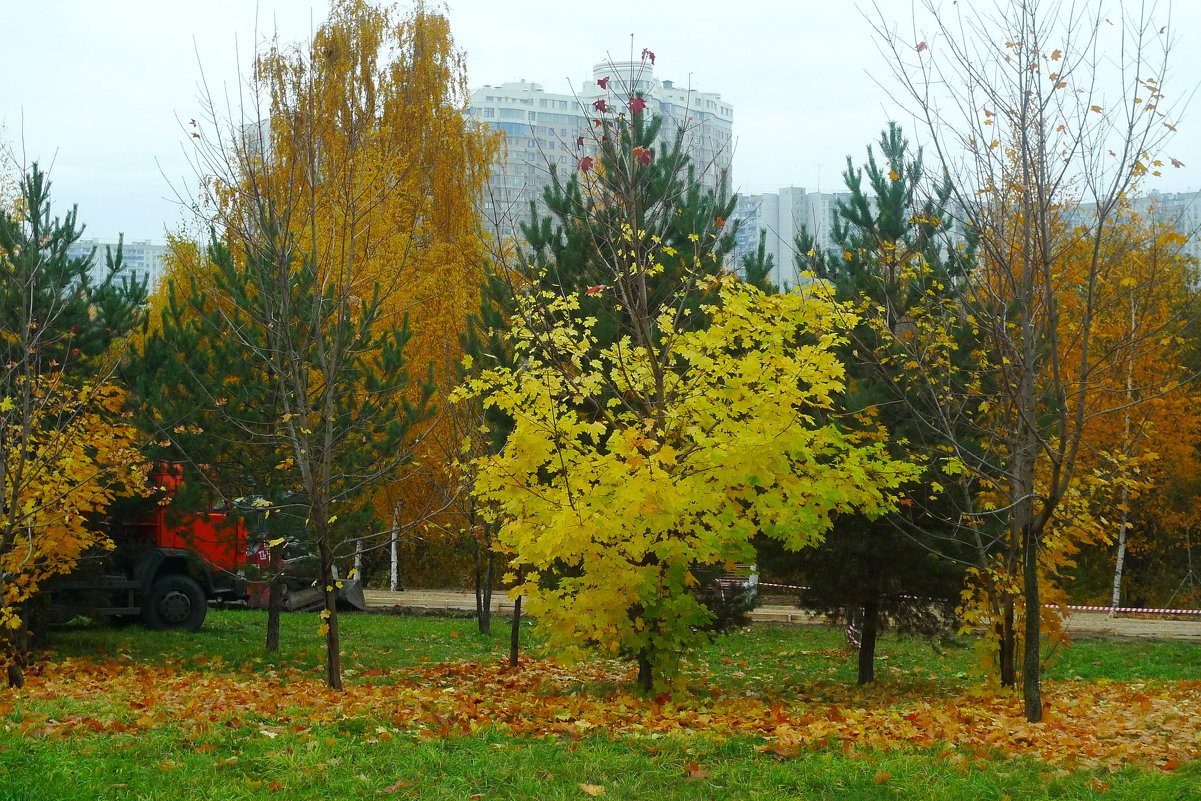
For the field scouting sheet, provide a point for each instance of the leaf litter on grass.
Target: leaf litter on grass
(1089, 725)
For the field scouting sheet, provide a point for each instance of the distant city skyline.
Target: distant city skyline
(116, 82)
(547, 129)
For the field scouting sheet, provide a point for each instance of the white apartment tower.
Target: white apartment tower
(541, 129)
(782, 215)
(142, 258)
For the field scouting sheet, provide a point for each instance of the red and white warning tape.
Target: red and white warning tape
(1132, 609)
(1071, 607)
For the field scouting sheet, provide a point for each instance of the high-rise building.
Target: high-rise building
(1180, 210)
(780, 216)
(140, 256)
(541, 130)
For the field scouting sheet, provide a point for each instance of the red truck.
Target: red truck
(165, 568)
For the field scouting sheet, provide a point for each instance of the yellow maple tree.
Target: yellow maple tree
(66, 452)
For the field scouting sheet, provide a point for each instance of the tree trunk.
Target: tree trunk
(1008, 646)
(646, 673)
(867, 641)
(1031, 663)
(16, 677)
(394, 552)
(515, 634)
(483, 589)
(1116, 597)
(333, 645)
(275, 602)
(1127, 447)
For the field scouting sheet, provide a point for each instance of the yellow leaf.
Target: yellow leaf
(593, 789)
(275, 542)
(892, 174)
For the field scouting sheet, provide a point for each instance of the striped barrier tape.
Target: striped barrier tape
(1070, 607)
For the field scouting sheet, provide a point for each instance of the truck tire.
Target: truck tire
(175, 601)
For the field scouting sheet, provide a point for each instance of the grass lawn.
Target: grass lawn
(430, 712)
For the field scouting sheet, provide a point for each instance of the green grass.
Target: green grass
(235, 637)
(245, 765)
(350, 759)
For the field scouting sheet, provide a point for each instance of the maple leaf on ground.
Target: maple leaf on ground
(603, 83)
(600, 105)
(585, 164)
(637, 104)
(694, 771)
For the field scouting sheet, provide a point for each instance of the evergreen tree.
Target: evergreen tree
(269, 383)
(62, 315)
(636, 196)
(904, 569)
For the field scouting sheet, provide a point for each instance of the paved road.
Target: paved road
(1080, 624)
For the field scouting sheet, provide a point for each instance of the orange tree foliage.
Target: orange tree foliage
(344, 208)
(382, 98)
(1028, 120)
(1142, 425)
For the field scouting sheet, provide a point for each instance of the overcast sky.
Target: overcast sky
(95, 89)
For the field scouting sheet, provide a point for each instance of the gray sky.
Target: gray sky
(95, 89)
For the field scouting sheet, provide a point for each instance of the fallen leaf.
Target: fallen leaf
(593, 789)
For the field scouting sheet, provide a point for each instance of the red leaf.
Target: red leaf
(637, 104)
(585, 164)
(720, 222)
(921, 46)
(647, 55)
(694, 771)
(596, 290)
(601, 105)
(642, 155)
(579, 141)
(603, 83)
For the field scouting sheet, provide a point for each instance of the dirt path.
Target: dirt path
(1080, 624)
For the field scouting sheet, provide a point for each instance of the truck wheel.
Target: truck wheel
(175, 601)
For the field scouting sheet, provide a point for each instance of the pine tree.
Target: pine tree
(904, 569)
(63, 316)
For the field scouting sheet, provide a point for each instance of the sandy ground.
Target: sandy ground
(1080, 624)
